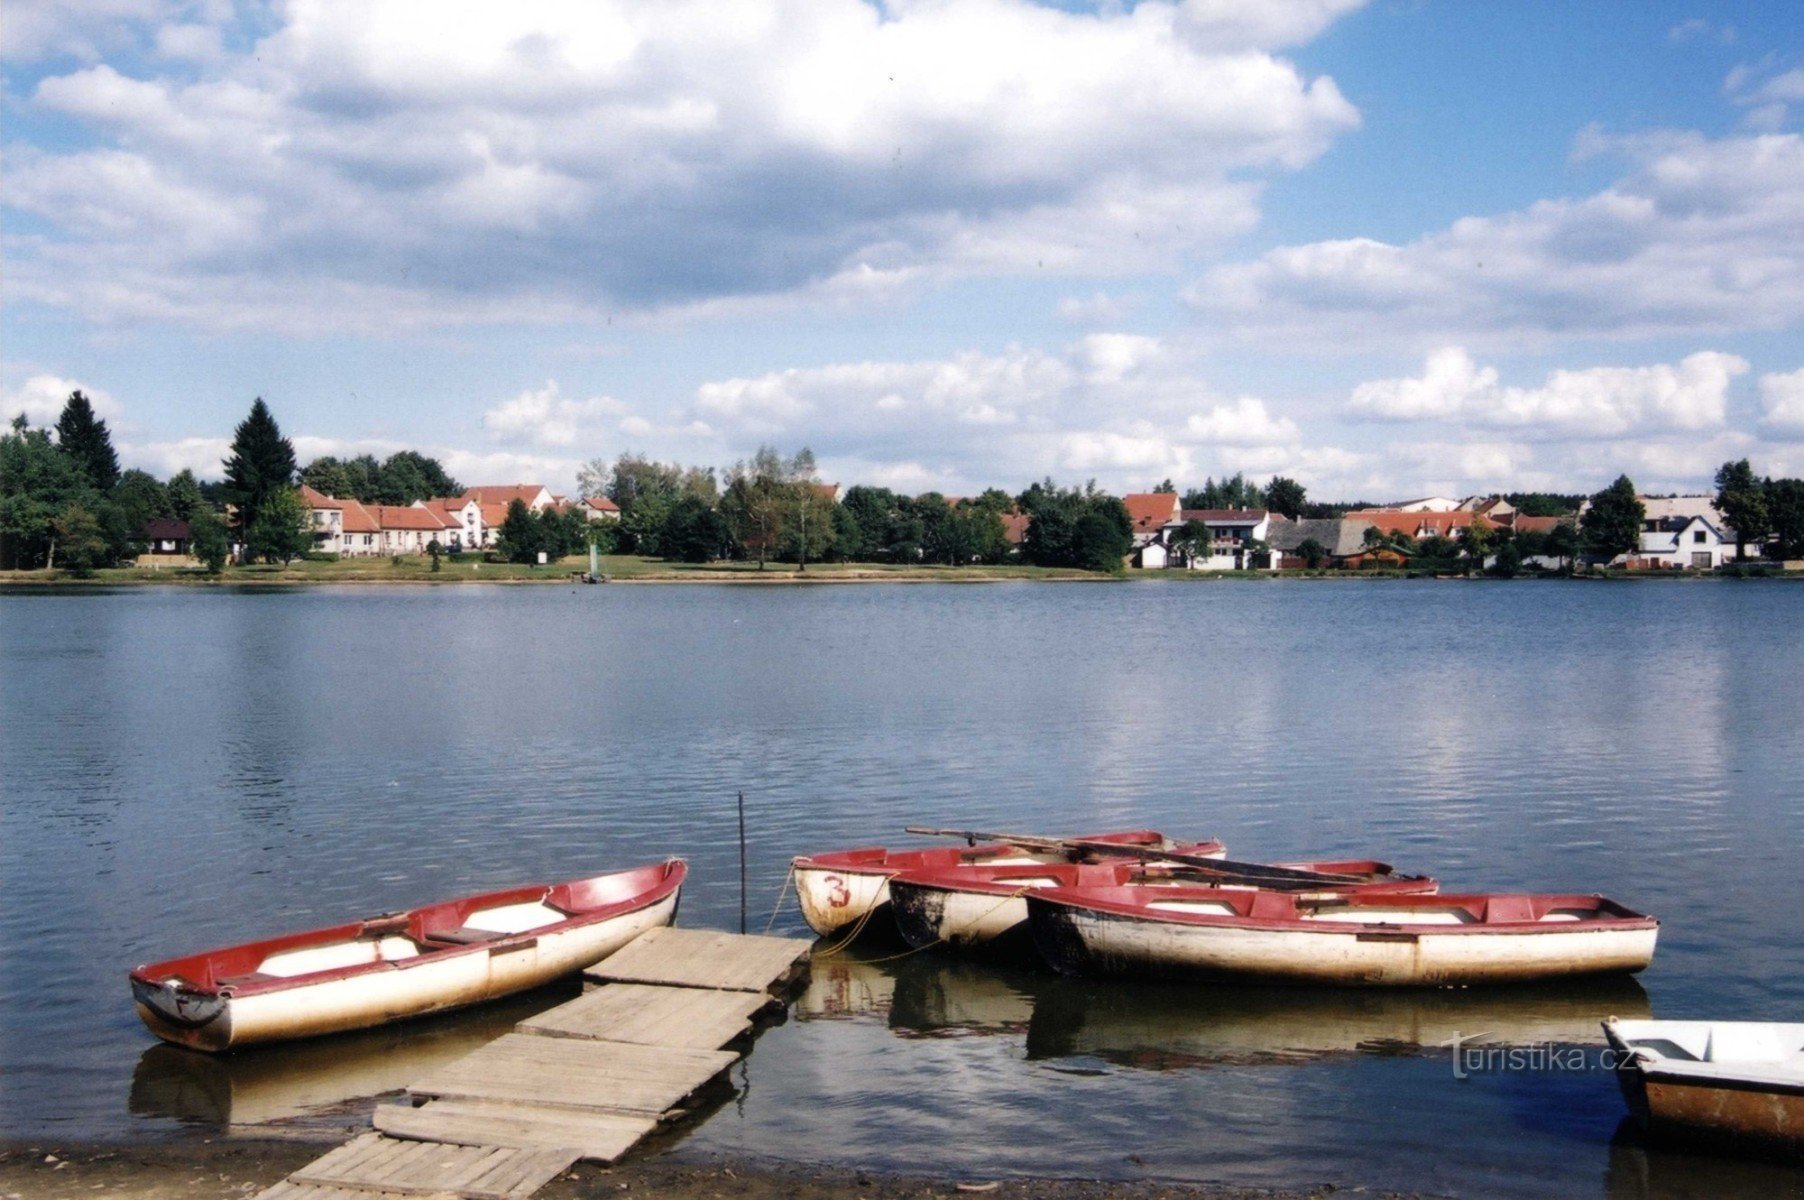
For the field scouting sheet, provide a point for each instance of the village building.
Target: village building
(1681, 543)
(325, 516)
(600, 508)
(1422, 523)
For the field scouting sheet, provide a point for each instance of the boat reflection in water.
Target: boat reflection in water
(1638, 1171)
(1159, 1026)
(297, 1080)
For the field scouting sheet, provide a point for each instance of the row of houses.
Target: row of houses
(472, 521)
(1679, 533)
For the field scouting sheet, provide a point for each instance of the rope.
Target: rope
(938, 941)
(782, 894)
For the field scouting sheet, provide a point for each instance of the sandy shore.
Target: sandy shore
(235, 1168)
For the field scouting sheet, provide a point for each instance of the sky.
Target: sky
(1388, 248)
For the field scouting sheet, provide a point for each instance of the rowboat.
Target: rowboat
(1351, 940)
(1729, 1085)
(400, 965)
(844, 888)
(968, 907)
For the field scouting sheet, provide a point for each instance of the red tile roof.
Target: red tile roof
(1149, 511)
(1014, 527)
(504, 494)
(394, 516)
(1542, 524)
(602, 504)
(1420, 524)
(313, 499)
(358, 519)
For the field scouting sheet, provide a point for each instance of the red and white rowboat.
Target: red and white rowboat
(971, 906)
(401, 965)
(1350, 940)
(848, 887)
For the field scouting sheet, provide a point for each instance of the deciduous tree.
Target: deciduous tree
(281, 531)
(1742, 499)
(1612, 525)
(1286, 496)
(208, 540)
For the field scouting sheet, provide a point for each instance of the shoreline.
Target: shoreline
(235, 1166)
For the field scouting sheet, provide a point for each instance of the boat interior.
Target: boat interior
(397, 937)
(1354, 908)
(1759, 1042)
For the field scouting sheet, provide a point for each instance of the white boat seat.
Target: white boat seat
(1744, 1042)
(467, 936)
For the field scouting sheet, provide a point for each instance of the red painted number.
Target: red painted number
(838, 894)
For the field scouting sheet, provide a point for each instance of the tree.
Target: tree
(410, 475)
(77, 541)
(1785, 512)
(281, 530)
(140, 497)
(37, 483)
(1166, 488)
(693, 532)
(519, 539)
(1285, 496)
(1071, 528)
(1612, 525)
(1193, 540)
(261, 464)
(1235, 492)
(1478, 539)
(182, 496)
(435, 550)
(1741, 498)
(1563, 542)
(84, 437)
(208, 540)
(1104, 537)
(1509, 561)
(1312, 552)
(328, 476)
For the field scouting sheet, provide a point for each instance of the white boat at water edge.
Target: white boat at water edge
(1730, 1085)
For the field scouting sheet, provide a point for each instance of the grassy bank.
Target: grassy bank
(617, 568)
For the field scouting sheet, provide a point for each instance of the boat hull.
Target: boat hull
(1758, 1117)
(958, 919)
(1077, 941)
(227, 1018)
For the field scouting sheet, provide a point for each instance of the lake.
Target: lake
(181, 768)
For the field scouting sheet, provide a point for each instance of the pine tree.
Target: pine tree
(262, 462)
(84, 437)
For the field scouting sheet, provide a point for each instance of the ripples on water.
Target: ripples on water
(183, 769)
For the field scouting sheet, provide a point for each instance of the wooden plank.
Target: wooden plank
(598, 1136)
(287, 1190)
(374, 1163)
(701, 958)
(521, 1068)
(687, 1018)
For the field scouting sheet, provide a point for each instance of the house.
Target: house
(462, 517)
(1427, 504)
(535, 496)
(1014, 528)
(362, 533)
(600, 508)
(408, 530)
(167, 543)
(1422, 523)
(1232, 534)
(1680, 543)
(325, 515)
(1149, 513)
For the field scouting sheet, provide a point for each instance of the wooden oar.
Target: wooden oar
(1241, 872)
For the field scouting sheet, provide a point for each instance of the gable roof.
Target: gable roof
(394, 516)
(602, 504)
(167, 529)
(504, 494)
(1420, 524)
(1542, 524)
(1150, 510)
(1014, 527)
(358, 518)
(1224, 516)
(317, 499)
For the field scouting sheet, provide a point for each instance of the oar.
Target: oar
(1220, 867)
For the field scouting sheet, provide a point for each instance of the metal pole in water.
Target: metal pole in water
(742, 862)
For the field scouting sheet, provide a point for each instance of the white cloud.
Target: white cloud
(1245, 422)
(1596, 402)
(398, 163)
(1098, 308)
(1697, 29)
(40, 400)
(1700, 237)
(1782, 401)
(205, 456)
(545, 417)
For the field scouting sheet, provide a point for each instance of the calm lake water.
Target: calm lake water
(180, 769)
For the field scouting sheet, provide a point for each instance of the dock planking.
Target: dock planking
(648, 1015)
(701, 958)
(585, 1080)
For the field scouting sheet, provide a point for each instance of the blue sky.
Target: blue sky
(1388, 248)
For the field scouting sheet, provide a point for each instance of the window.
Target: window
(1698, 537)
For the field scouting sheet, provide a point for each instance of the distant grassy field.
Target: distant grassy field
(620, 568)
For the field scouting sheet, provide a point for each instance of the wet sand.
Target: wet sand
(234, 1168)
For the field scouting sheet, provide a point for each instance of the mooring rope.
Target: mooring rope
(942, 940)
(782, 894)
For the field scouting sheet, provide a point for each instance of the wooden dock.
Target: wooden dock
(585, 1080)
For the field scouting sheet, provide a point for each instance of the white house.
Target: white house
(1682, 542)
(325, 516)
(462, 517)
(1231, 534)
